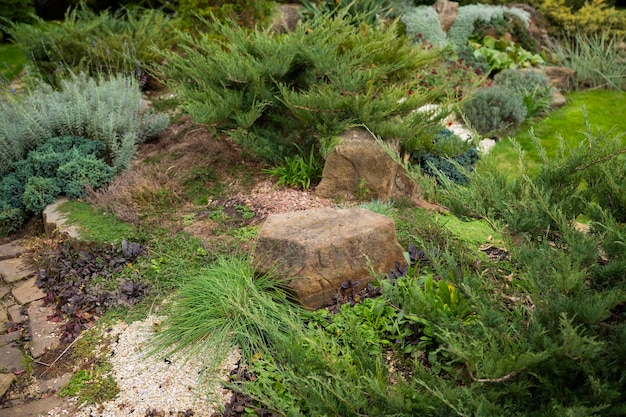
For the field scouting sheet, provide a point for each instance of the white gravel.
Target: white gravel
(150, 385)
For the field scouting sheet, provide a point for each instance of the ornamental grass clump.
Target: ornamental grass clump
(280, 93)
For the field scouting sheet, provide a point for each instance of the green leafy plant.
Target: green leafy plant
(298, 172)
(494, 110)
(504, 54)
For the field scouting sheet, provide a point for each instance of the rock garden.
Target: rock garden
(326, 208)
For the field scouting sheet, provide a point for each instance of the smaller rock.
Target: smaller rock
(561, 78)
(15, 312)
(447, 10)
(3, 319)
(4, 290)
(11, 250)
(557, 100)
(11, 358)
(28, 292)
(7, 338)
(44, 333)
(54, 384)
(33, 409)
(16, 269)
(286, 17)
(5, 383)
(54, 221)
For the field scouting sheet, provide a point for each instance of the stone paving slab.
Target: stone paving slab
(54, 384)
(15, 312)
(4, 290)
(45, 334)
(16, 269)
(7, 338)
(34, 409)
(11, 250)
(28, 292)
(4, 317)
(11, 358)
(5, 383)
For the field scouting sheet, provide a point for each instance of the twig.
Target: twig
(501, 379)
(597, 161)
(61, 355)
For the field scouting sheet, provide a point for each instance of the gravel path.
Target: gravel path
(151, 385)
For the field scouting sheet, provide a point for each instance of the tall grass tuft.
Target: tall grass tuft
(223, 307)
(596, 58)
(106, 110)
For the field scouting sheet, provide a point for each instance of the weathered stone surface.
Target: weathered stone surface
(319, 249)
(15, 269)
(4, 290)
(55, 222)
(561, 78)
(28, 292)
(360, 168)
(5, 383)
(7, 338)
(557, 100)
(537, 27)
(15, 312)
(286, 17)
(11, 358)
(11, 250)
(33, 409)
(54, 384)
(44, 333)
(447, 11)
(4, 317)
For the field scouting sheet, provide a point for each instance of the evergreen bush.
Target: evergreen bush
(279, 91)
(106, 110)
(534, 88)
(82, 171)
(452, 157)
(21, 11)
(368, 11)
(494, 110)
(39, 192)
(594, 17)
(121, 42)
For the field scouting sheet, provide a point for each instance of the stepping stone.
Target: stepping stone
(5, 383)
(54, 384)
(11, 358)
(28, 292)
(3, 319)
(13, 270)
(4, 290)
(44, 333)
(11, 250)
(34, 409)
(7, 338)
(15, 312)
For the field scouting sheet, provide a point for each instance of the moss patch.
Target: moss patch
(96, 226)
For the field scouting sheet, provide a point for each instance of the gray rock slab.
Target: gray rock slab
(11, 358)
(5, 383)
(11, 250)
(4, 290)
(54, 221)
(34, 409)
(44, 333)
(15, 269)
(4, 317)
(15, 313)
(7, 338)
(54, 384)
(28, 292)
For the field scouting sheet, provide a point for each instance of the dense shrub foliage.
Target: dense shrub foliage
(450, 152)
(533, 86)
(302, 87)
(62, 165)
(105, 110)
(494, 111)
(122, 42)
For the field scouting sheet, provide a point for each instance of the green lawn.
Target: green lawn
(605, 110)
(12, 62)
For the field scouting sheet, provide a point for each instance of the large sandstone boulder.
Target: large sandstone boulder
(447, 11)
(359, 168)
(317, 250)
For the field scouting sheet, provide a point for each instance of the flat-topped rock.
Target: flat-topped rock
(44, 333)
(7, 338)
(11, 250)
(55, 222)
(11, 358)
(5, 383)
(15, 269)
(33, 409)
(318, 250)
(28, 292)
